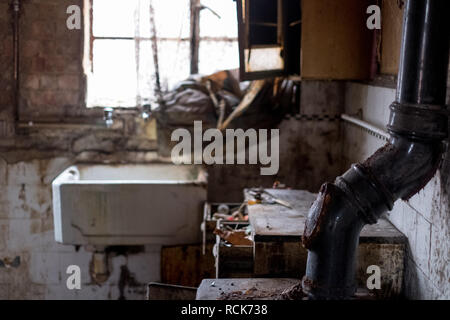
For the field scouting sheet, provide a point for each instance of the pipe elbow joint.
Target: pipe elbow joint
(362, 194)
(332, 230)
(405, 165)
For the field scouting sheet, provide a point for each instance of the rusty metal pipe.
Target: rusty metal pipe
(417, 127)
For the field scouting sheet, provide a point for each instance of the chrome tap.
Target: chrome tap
(108, 116)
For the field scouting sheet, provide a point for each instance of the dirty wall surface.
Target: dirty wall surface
(52, 90)
(425, 218)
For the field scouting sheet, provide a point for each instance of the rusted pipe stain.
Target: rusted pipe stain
(318, 212)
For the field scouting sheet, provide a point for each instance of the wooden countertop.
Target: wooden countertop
(274, 222)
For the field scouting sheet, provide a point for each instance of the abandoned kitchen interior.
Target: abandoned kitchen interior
(224, 149)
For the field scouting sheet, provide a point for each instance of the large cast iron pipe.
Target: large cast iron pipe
(417, 127)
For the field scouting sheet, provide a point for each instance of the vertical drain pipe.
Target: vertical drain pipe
(16, 14)
(417, 127)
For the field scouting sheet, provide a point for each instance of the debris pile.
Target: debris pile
(221, 101)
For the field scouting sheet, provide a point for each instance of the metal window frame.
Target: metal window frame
(243, 35)
(195, 44)
(285, 25)
(195, 39)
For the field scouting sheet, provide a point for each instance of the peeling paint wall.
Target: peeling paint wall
(26, 224)
(53, 90)
(53, 87)
(425, 218)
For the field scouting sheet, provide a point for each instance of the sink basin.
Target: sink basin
(129, 204)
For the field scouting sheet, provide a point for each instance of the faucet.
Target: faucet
(108, 116)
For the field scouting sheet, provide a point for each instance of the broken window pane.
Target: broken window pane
(123, 71)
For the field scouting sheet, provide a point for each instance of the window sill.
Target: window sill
(72, 125)
(118, 110)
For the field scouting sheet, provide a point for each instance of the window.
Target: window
(119, 61)
(269, 33)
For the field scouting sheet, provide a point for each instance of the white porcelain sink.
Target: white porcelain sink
(129, 204)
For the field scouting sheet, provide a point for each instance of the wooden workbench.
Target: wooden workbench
(272, 221)
(278, 252)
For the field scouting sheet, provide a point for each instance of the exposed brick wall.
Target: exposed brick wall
(53, 87)
(6, 68)
(52, 79)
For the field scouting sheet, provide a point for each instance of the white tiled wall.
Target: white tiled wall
(26, 230)
(425, 218)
